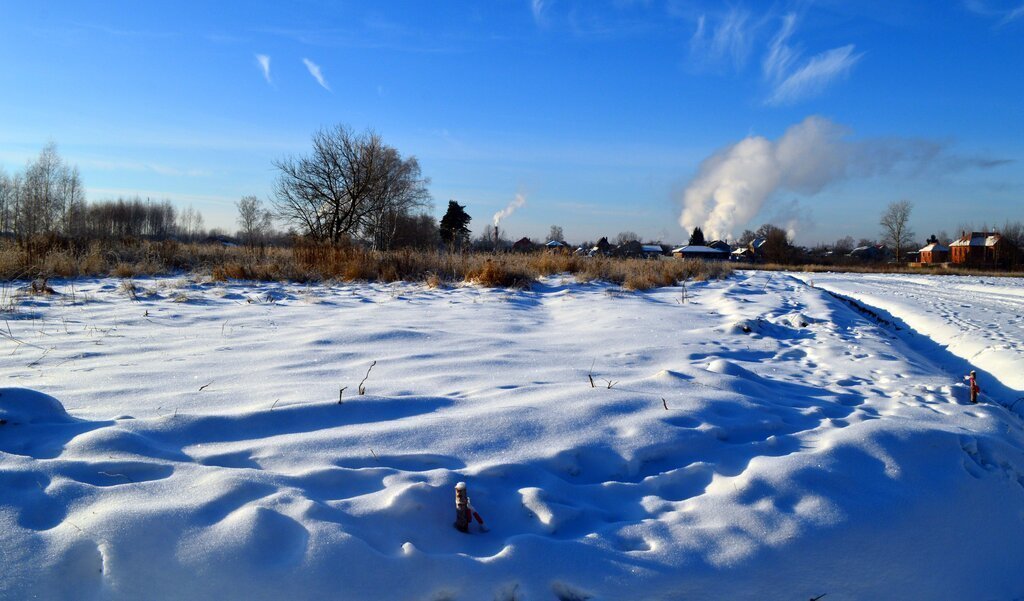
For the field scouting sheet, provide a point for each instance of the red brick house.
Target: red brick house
(983, 249)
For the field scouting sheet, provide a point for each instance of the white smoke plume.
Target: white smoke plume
(733, 184)
(517, 202)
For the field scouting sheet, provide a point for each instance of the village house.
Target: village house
(706, 253)
(983, 249)
(523, 245)
(934, 254)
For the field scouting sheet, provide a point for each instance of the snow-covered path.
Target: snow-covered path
(977, 318)
(762, 441)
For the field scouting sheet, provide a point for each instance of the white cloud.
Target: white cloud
(264, 62)
(314, 70)
(793, 80)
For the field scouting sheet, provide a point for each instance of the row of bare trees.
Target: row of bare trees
(47, 196)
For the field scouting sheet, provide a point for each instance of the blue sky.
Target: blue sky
(605, 116)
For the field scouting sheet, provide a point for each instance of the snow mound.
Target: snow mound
(26, 406)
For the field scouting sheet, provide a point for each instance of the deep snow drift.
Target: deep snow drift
(761, 441)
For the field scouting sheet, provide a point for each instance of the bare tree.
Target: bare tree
(895, 226)
(625, 237)
(190, 224)
(556, 234)
(777, 247)
(1013, 231)
(254, 221)
(7, 199)
(843, 245)
(351, 185)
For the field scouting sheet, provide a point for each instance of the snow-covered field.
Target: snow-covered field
(764, 440)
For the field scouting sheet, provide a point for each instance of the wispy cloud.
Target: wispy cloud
(264, 62)
(815, 75)
(537, 7)
(986, 8)
(1013, 15)
(793, 80)
(725, 38)
(314, 70)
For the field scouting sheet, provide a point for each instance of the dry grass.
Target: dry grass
(311, 262)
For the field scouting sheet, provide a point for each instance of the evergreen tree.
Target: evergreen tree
(455, 225)
(697, 237)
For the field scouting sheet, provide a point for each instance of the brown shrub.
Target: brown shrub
(496, 274)
(123, 270)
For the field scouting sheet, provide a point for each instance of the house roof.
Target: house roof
(978, 239)
(554, 243)
(691, 249)
(651, 248)
(935, 247)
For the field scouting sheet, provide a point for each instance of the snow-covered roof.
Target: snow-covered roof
(651, 248)
(977, 239)
(554, 243)
(935, 247)
(698, 250)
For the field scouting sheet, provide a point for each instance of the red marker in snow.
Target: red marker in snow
(464, 512)
(975, 390)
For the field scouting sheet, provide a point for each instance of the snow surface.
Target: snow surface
(764, 440)
(977, 318)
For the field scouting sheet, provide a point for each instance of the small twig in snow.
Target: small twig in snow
(665, 403)
(610, 383)
(204, 386)
(362, 388)
(340, 392)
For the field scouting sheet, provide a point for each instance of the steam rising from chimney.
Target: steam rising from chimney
(734, 183)
(517, 202)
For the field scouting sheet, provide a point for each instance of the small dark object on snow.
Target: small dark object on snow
(362, 387)
(746, 329)
(818, 597)
(39, 287)
(464, 512)
(3, 421)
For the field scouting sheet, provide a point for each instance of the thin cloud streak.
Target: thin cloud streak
(727, 39)
(537, 8)
(793, 81)
(1013, 15)
(314, 70)
(814, 76)
(264, 62)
